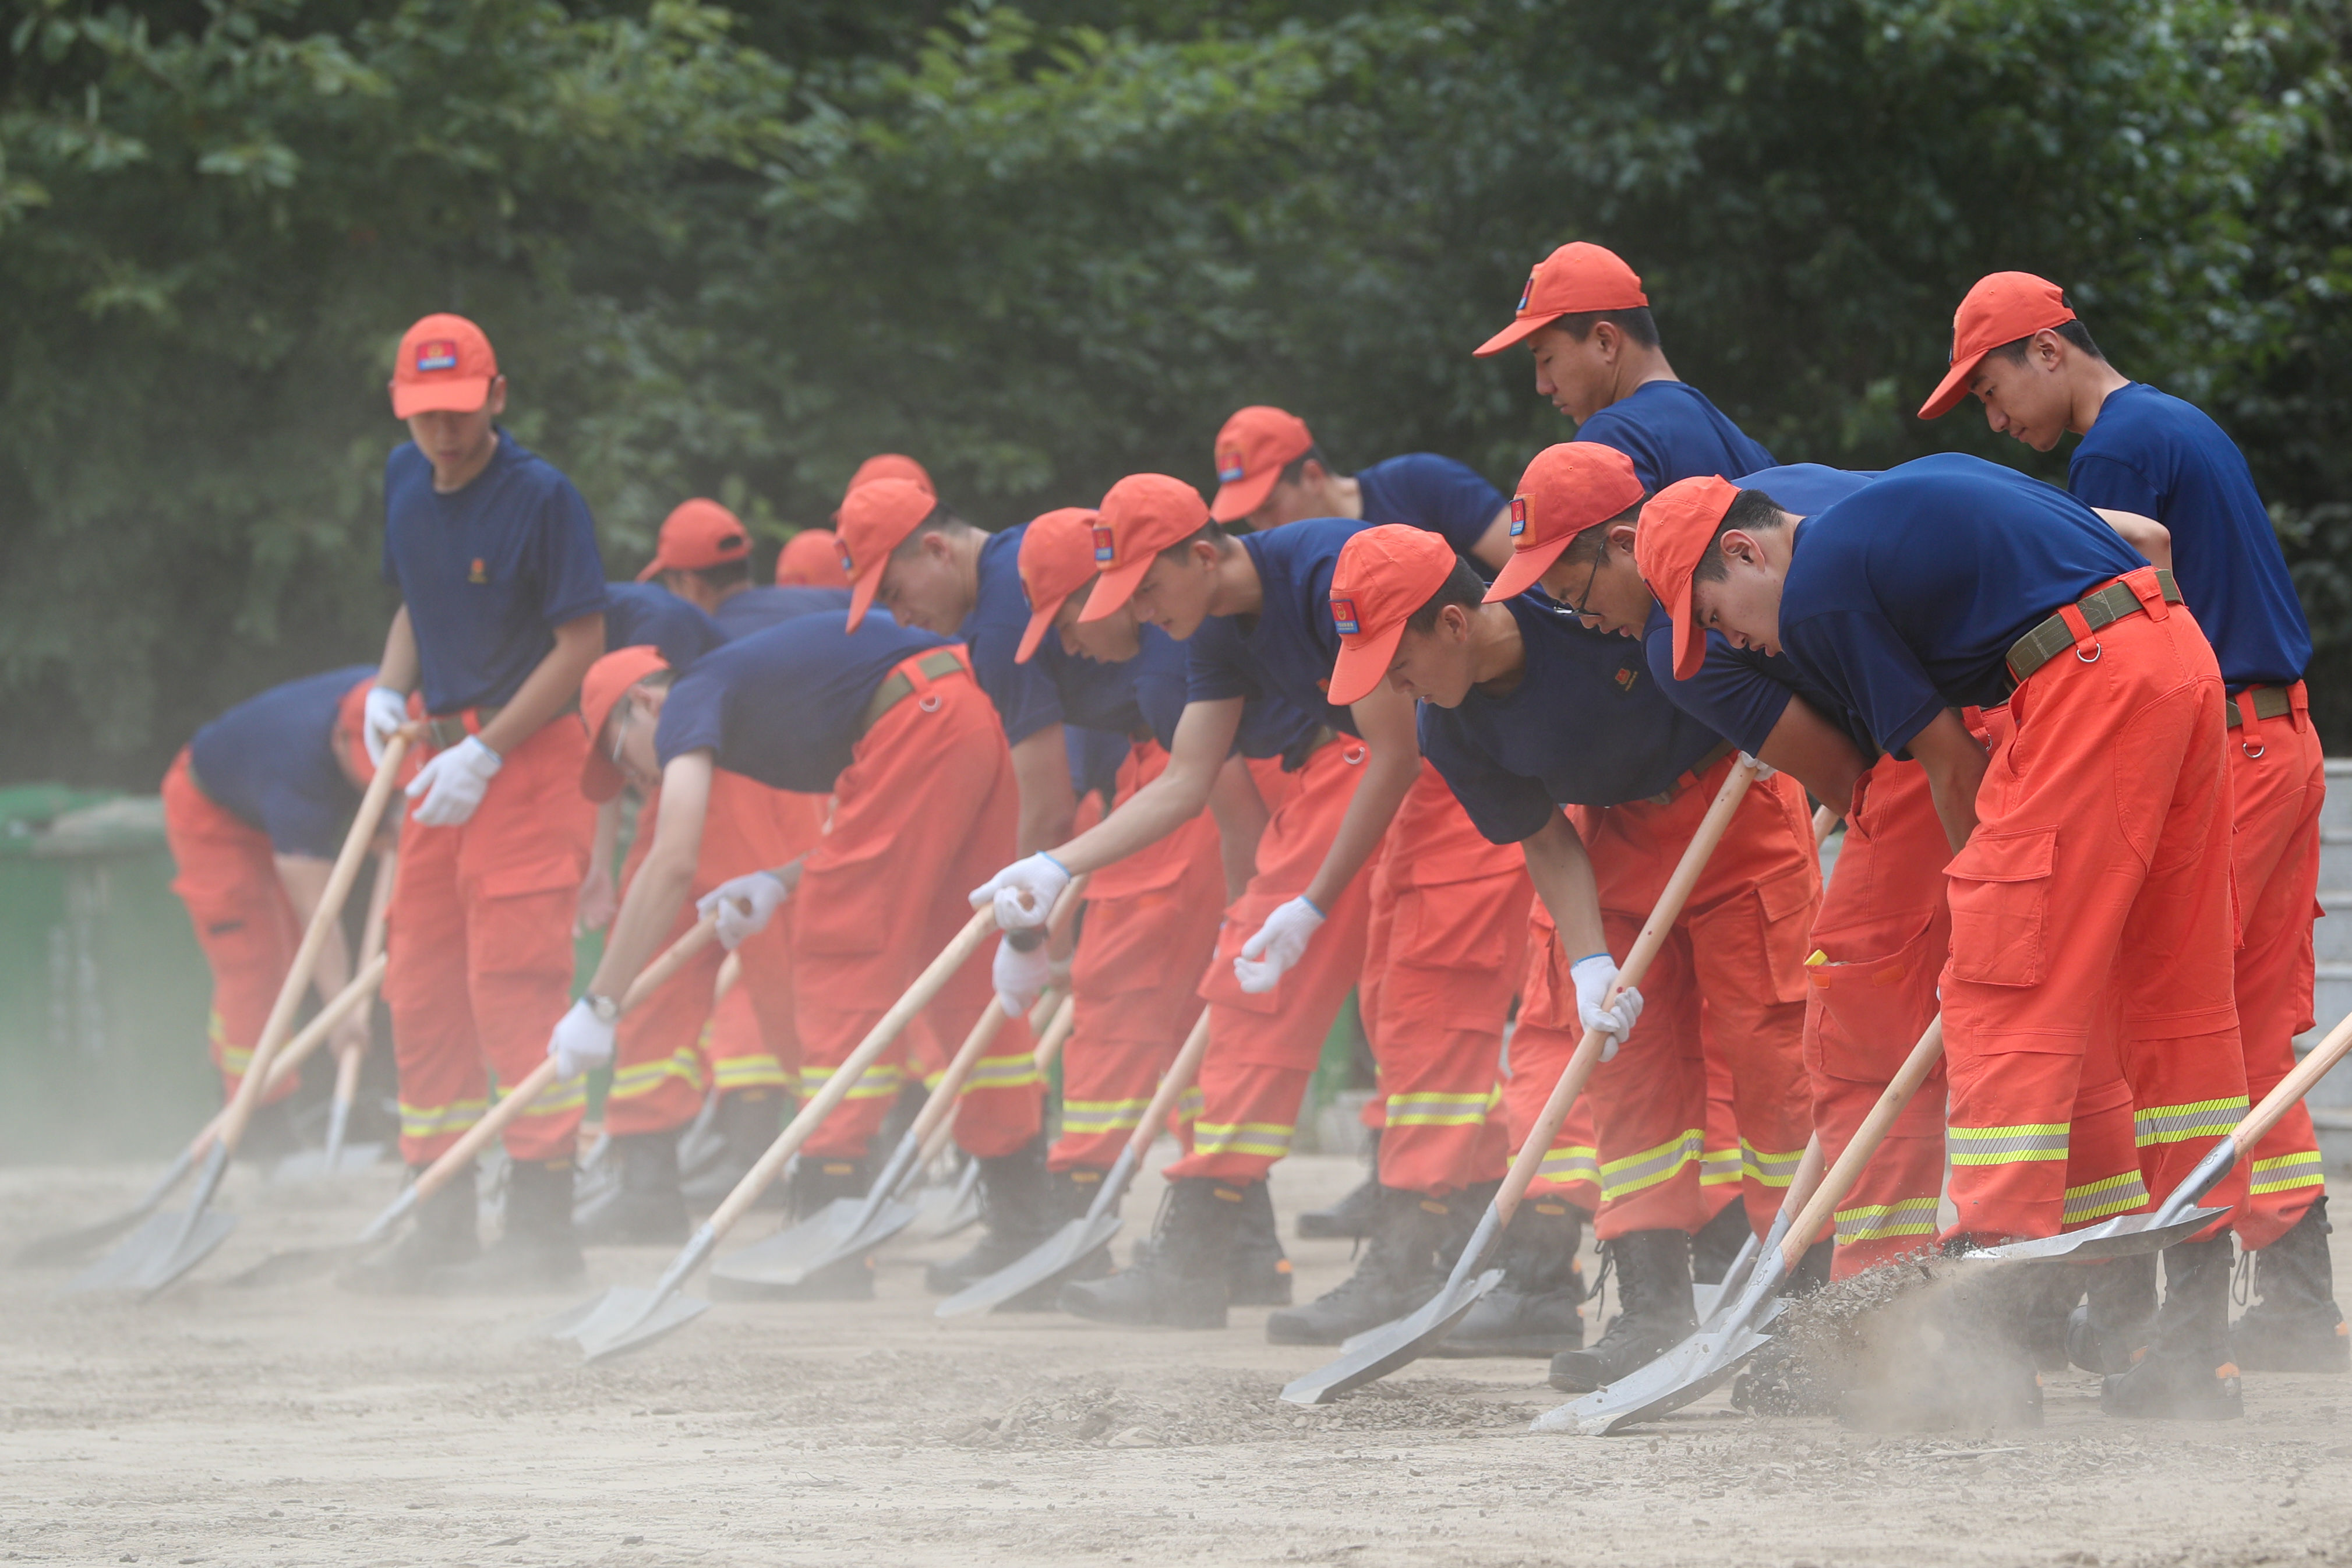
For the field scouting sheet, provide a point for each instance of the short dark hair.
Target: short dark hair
(1209, 532)
(1296, 469)
(939, 521)
(726, 575)
(1590, 545)
(1636, 322)
(1751, 511)
(2074, 331)
(1462, 587)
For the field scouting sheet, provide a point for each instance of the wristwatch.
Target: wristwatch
(606, 1010)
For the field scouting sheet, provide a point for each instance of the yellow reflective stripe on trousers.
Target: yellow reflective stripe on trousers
(1270, 1139)
(1189, 1103)
(748, 1072)
(434, 1121)
(1651, 1166)
(641, 1079)
(559, 1099)
(2179, 1123)
(2287, 1172)
(2017, 1145)
(1571, 1162)
(1719, 1167)
(1095, 1116)
(1883, 1222)
(1014, 1071)
(1768, 1169)
(879, 1081)
(1438, 1110)
(2099, 1199)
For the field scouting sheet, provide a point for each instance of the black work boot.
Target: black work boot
(1349, 1219)
(2112, 1328)
(1179, 1281)
(647, 1209)
(1538, 1308)
(2294, 1325)
(269, 1133)
(537, 1250)
(444, 1233)
(2187, 1372)
(1813, 1270)
(1260, 1274)
(1717, 1242)
(1071, 1196)
(1653, 1293)
(1398, 1272)
(747, 1120)
(1015, 1215)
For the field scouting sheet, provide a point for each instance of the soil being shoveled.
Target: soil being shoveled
(307, 1426)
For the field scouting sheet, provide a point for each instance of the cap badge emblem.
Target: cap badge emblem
(1518, 516)
(1526, 294)
(1230, 467)
(1343, 616)
(440, 353)
(1106, 547)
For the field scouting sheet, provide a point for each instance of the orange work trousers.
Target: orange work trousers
(2277, 781)
(1444, 952)
(1720, 1173)
(227, 875)
(2094, 898)
(1539, 1053)
(925, 812)
(1740, 943)
(1150, 927)
(1263, 1049)
(668, 1050)
(480, 943)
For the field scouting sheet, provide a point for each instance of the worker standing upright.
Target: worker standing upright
(502, 594)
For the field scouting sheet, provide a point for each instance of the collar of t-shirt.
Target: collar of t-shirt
(1672, 432)
(1287, 650)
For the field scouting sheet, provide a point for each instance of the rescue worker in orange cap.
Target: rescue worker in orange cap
(2098, 828)
(811, 559)
(254, 810)
(1468, 896)
(877, 718)
(502, 595)
(2020, 348)
(1524, 711)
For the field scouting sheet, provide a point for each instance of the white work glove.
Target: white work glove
(1278, 944)
(580, 1041)
(1019, 976)
(1764, 769)
(452, 784)
(1594, 974)
(1024, 891)
(744, 905)
(386, 711)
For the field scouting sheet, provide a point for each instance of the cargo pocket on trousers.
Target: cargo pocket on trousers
(522, 924)
(1789, 904)
(2000, 886)
(1879, 1003)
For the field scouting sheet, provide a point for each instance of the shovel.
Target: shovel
(945, 1210)
(1702, 1362)
(335, 1159)
(168, 1245)
(625, 1317)
(294, 1263)
(1078, 1238)
(1713, 1302)
(1374, 1354)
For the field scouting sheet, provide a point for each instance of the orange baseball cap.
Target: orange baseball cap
(1057, 558)
(1384, 574)
(1569, 488)
(886, 466)
(445, 363)
(2002, 308)
(1140, 516)
(1675, 529)
(1575, 278)
(601, 690)
(697, 536)
(876, 519)
(811, 559)
(1252, 449)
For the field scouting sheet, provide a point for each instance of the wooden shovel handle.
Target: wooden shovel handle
(942, 1102)
(290, 1057)
(1173, 1085)
(512, 1104)
(2293, 1086)
(837, 1089)
(1825, 823)
(1057, 1033)
(1822, 1205)
(1573, 1077)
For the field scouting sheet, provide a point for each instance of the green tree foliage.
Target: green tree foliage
(732, 253)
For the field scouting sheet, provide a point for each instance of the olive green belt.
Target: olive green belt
(2104, 608)
(2270, 702)
(450, 730)
(897, 686)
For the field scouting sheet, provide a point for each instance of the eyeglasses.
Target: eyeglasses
(1580, 605)
(620, 731)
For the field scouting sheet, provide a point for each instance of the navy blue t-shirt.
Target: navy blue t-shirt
(1287, 648)
(1904, 597)
(646, 615)
(757, 609)
(1437, 495)
(1672, 432)
(1269, 727)
(489, 571)
(1584, 726)
(781, 706)
(1094, 759)
(1054, 687)
(2151, 453)
(1741, 693)
(269, 761)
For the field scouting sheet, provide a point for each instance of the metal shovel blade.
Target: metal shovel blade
(68, 1245)
(155, 1254)
(2119, 1238)
(947, 1210)
(1057, 1254)
(1381, 1350)
(315, 1164)
(1689, 1371)
(828, 1236)
(623, 1318)
(296, 1263)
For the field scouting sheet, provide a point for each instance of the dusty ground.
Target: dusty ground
(310, 1426)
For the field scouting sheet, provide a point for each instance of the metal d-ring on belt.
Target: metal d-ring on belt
(2104, 608)
(897, 688)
